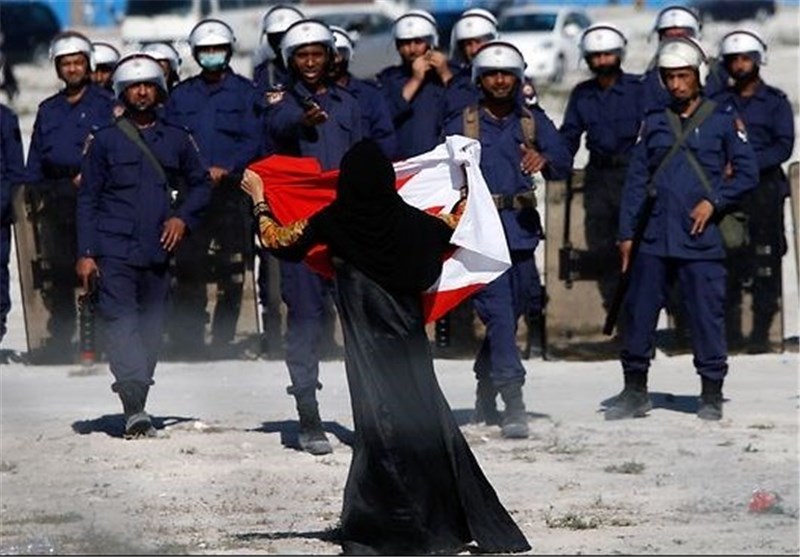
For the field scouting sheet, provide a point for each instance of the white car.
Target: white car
(547, 37)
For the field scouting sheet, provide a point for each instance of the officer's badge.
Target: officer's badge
(741, 130)
(87, 143)
(273, 97)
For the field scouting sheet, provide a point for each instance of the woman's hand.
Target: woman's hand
(253, 185)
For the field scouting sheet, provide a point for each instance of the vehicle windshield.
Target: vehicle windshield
(162, 7)
(527, 22)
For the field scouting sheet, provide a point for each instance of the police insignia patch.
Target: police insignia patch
(741, 130)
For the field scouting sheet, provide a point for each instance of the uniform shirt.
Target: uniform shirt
(328, 141)
(719, 139)
(267, 75)
(500, 163)
(12, 164)
(375, 117)
(610, 117)
(224, 118)
(418, 123)
(770, 123)
(123, 202)
(60, 131)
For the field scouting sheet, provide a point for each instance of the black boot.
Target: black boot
(133, 396)
(515, 419)
(633, 401)
(486, 403)
(710, 407)
(312, 438)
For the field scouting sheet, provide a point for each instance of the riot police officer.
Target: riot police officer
(415, 88)
(106, 57)
(12, 169)
(770, 124)
(377, 122)
(672, 22)
(311, 117)
(609, 109)
(223, 112)
(677, 182)
(63, 121)
(269, 68)
(168, 58)
(128, 227)
(509, 158)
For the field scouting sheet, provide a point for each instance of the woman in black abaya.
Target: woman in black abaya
(414, 486)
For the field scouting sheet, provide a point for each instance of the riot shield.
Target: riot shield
(574, 308)
(44, 233)
(214, 311)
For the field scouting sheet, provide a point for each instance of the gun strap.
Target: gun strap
(133, 134)
(472, 129)
(703, 112)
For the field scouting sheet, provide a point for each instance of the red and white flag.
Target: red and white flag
(296, 188)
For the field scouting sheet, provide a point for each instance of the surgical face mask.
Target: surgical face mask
(212, 61)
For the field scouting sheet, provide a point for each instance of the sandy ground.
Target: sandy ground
(224, 477)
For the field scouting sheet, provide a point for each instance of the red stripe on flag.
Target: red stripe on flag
(437, 304)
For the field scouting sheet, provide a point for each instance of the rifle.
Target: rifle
(700, 114)
(87, 304)
(625, 278)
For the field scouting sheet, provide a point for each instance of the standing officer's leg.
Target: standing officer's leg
(645, 297)
(5, 298)
(154, 295)
(303, 292)
(498, 358)
(120, 285)
(703, 286)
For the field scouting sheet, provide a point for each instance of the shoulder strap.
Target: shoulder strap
(471, 122)
(528, 127)
(133, 134)
(704, 111)
(681, 134)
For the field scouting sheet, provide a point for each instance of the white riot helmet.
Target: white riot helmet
(683, 52)
(744, 41)
(105, 54)
(211, 32)
(343, 41)
(137, 68)
(498, 55)
(164, 51)
(417, 24)
(304, 32)
(71, 42)
(603, 37)
(678, 16)
(278, 19)
(474, 23)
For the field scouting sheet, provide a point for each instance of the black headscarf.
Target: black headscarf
(372, 228)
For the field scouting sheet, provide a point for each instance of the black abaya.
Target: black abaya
(414, 486)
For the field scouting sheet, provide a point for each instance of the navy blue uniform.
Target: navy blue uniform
(54, 160)
(668, 252)
(303, 291)
(770, 127)
(611, 119)
(418, 123)
(376, 120)
(123, 203)
(12, 168)
(500, 304)
(225, 120)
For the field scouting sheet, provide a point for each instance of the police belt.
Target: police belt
(608, 161)
(59, 172)
(525, 200)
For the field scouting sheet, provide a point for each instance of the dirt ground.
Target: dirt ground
(223, 477)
